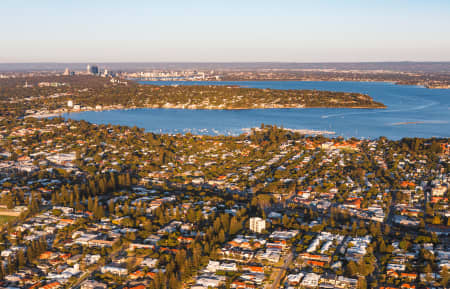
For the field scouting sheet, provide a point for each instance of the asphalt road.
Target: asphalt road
(287, 262)
(88, 273)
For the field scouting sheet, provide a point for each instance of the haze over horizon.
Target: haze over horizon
(212, 31)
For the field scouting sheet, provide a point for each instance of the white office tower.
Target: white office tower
(257, 224)
(67, 72)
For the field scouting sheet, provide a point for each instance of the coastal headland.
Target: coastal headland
(85, 93)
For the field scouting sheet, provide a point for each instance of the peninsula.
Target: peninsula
(46, 96)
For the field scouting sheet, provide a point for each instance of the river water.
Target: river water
(412, 111)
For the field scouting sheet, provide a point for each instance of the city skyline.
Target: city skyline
(202, 31)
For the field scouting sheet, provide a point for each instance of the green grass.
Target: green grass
(6, 219)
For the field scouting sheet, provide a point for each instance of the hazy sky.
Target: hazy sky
(229, 30)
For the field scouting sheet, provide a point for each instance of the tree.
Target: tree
(352, 268)
(445, 277)
(34, 205)
(362, 283)
(382, 247)
(235, 226)
(354, 227)
(436, 220)
(285, 220)
(90, 204)
(404, 244)
(225, 220)
(111, 207)
(21, 259)
(221, 236)
(387, 229)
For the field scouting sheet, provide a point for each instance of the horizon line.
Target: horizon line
(298, 62)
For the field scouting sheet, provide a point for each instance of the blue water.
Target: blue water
(429, 107)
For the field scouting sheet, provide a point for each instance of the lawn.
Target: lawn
(6, 219)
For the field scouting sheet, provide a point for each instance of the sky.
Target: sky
(224, 31)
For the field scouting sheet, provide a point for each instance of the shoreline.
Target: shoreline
(44, 115)
(56, 113)
(299, 80)
(296, 130)
(59, 113)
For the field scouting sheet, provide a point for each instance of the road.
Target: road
(88, 273)
(280, 271)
